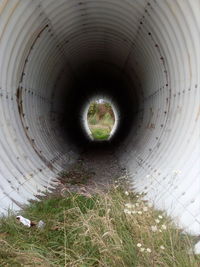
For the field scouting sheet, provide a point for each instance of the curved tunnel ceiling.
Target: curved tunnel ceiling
(45, 48)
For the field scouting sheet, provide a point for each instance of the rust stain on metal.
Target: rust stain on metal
(20, 103)
(149, 124)
(152, 126)
(38, 32)
(32, 141)
(198, 114)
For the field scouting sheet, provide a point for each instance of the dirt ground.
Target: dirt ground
(96, 170)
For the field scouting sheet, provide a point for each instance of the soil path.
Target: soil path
(96, 170)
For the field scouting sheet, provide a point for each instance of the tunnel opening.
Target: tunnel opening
(101, 119)
(98, 79)
(144, 55)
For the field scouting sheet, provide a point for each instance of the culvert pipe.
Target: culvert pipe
(47, 47)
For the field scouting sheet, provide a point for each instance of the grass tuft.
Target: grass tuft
(100, 133)
(108, 229)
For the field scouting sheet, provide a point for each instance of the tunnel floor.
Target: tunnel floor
(97, 169)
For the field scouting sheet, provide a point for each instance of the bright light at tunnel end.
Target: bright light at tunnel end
(84, 118)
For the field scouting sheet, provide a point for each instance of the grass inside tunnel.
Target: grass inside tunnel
(108, 229)
(100, 119)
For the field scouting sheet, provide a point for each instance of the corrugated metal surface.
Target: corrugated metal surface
(156, 41)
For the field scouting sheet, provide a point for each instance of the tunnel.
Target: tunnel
(144, 55)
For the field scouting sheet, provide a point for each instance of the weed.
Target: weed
(108, 229)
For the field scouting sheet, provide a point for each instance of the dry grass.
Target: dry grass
(113, 229)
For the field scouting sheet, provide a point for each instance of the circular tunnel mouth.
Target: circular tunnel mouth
(100, 119)
(99, 81)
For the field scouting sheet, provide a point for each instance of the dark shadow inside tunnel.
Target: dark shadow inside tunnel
(143, 55)
(93, 80)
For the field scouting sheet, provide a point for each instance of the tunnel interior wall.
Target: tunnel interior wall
(46, 45)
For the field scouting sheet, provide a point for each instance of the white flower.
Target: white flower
(116, 182)
(137, 196)
(137, 204)
(162, 247)
(126, 193)
(145, 209)
(127, 211)
(149, 250)
(139, 212)
(139, 245)
(142, 249)
(157, 221)
(164, 227)
(129, 205)
(160, 231)
(160, 217)
(154, 228)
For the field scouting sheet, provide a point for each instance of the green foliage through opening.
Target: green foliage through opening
(100, 119)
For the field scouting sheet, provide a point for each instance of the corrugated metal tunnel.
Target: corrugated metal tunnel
(144, 55)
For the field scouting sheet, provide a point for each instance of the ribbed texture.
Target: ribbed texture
(156, 43)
